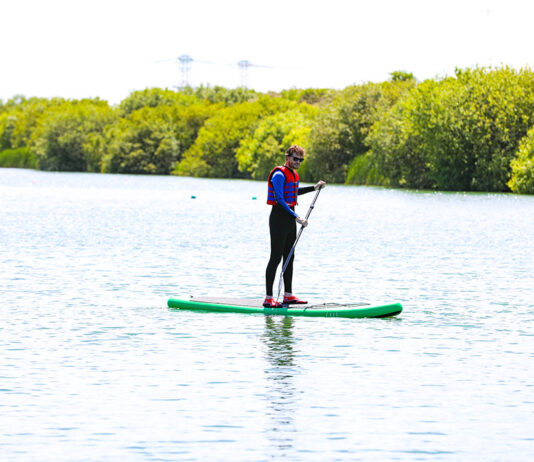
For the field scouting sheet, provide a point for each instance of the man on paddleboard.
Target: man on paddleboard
(282, 193)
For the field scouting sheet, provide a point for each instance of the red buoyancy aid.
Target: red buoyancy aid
(291, 186)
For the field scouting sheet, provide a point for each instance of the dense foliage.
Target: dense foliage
(18, 158)
(70, 138)
(259, 152)
(214, 152)
(153, 139)
(471, 131)
(522, 180)
(340, 132)
(459, 133)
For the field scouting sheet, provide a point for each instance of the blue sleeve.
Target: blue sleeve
(278, 180)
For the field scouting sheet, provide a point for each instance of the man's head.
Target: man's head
(294, 157)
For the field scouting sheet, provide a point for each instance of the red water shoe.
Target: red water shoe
(270, 302)
(293, 301)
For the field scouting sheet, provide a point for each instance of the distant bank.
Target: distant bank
(470, 132)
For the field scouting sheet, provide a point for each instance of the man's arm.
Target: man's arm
(306, 190)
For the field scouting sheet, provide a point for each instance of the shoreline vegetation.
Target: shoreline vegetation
(473, 131)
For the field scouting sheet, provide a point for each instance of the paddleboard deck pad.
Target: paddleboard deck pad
(247, 306)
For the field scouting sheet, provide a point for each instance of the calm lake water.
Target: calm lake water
(94, 366)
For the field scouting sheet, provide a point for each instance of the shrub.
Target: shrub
(522, 180)
(18, 158)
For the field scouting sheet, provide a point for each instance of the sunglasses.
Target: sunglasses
(298, 159)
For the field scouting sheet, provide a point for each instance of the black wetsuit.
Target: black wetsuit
(283, 229)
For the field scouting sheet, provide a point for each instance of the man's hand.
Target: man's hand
(321, 184)
(302, 221)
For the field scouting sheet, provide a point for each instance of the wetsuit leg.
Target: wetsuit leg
(281, 226)
(277, 247)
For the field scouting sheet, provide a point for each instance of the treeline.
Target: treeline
(470, 132)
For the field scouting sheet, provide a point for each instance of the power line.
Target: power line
(243, 70)
(186, 63)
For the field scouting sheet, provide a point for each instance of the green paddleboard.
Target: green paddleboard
(328, 310)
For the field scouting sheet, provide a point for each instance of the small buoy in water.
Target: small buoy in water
(193, 197)
(254, 198)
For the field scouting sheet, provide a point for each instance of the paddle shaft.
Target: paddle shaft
(288, 259)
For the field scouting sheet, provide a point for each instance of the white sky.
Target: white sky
(108, 48)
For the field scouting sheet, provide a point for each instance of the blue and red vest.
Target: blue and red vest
(291, 186)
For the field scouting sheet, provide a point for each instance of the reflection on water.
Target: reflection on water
(279, 338)
(280, 371)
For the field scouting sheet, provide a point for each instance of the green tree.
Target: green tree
(142, 142)
(18, 158)
(20, 118)
(154, 97)
(522, 180)
(340, 131)
(214, 150)
(401, 76)
(188, 120)
(398, 141)
(218, 94)
(65, 138)
(264, 148)
(153, 139)
(314, 96)
(459, 133)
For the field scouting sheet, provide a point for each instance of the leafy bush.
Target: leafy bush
(522, 180)
(154, 97)
(459, 133)
(142, 142)
(70, 138)
(340, 131)
(20, 117)
(18, 158)
(362, 171)
(153, 139)
(213, 153)
(218, 94)
(265, 147)
(314, 96)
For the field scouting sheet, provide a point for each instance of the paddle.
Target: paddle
(288, 259)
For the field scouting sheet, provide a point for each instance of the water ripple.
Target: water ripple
(94, 367)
